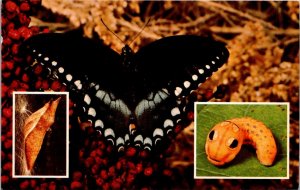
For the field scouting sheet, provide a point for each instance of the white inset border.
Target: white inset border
(287, 104)
(14, 175)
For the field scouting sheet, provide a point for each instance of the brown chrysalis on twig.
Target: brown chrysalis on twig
(35, 128)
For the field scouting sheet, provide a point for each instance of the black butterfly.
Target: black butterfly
(133, 99)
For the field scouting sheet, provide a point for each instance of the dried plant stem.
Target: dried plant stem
(237, 30)
(210, 5)
(136, 28)
(52, 26)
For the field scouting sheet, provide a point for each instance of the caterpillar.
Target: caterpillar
(225, 139)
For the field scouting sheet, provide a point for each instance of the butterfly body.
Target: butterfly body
(133, 98)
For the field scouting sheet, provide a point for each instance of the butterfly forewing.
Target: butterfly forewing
(181, 61)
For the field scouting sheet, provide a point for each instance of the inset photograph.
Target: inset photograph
(241, 140)
(40, 134)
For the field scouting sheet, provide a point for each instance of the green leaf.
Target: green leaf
(246, 163)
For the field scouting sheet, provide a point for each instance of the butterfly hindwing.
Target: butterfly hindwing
(176, 65)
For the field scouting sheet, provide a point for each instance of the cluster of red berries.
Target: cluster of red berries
(110, 170)
(15, 29)
(14, 24)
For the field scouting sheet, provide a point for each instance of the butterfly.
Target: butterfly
(132, 99)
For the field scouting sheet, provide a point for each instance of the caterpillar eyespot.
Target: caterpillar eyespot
(225, 140)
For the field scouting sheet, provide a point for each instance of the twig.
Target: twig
(209, 5)
(293, 40)
(53, 26)
(237, 30)
(138, 29)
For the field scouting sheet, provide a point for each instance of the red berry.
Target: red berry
(24, 19)
(46, 30)
(76, 185)
(139, 167)
(3, 66)
(8, 144)
(6, 74)
(56, 85)
(77, 175)
(11, 15)
(119, 165)
(71, 103)
(18, 71)
(9, 134)
(10, 92)
(9, 156)
(25, 77)
(130, 165)
(4, 90)
(111, 171)
(52, 185)
(2, 156)
(7, 166)
(7, 112)
(44, 185)
(89, 162)
(34, 29)
(4, 179)
(131, 151)
(129, 179)
(11, 6)
(99, 181)
(190, 115)
(4, 21)
(45, 85)
(7, 41)
(148, 171)
(115, 184)
(27, 34)
(167, 172)
(10, 26)
(14, 84)
(177, 129)
(9, 65)
(24, 185)
(24, 86)
(38, 84)
(93, 153)
(103, 174)
(106, 186)
(144, 153)
(3, 121)
(14, 34)
(24, 7)
(33, 183)
(109, 149)
(209, 94)
(15, 49)
(95, 169)
(3, 138)
(71, 112)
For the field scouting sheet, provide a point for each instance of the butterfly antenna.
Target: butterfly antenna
(140, 32)
(112, 31)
